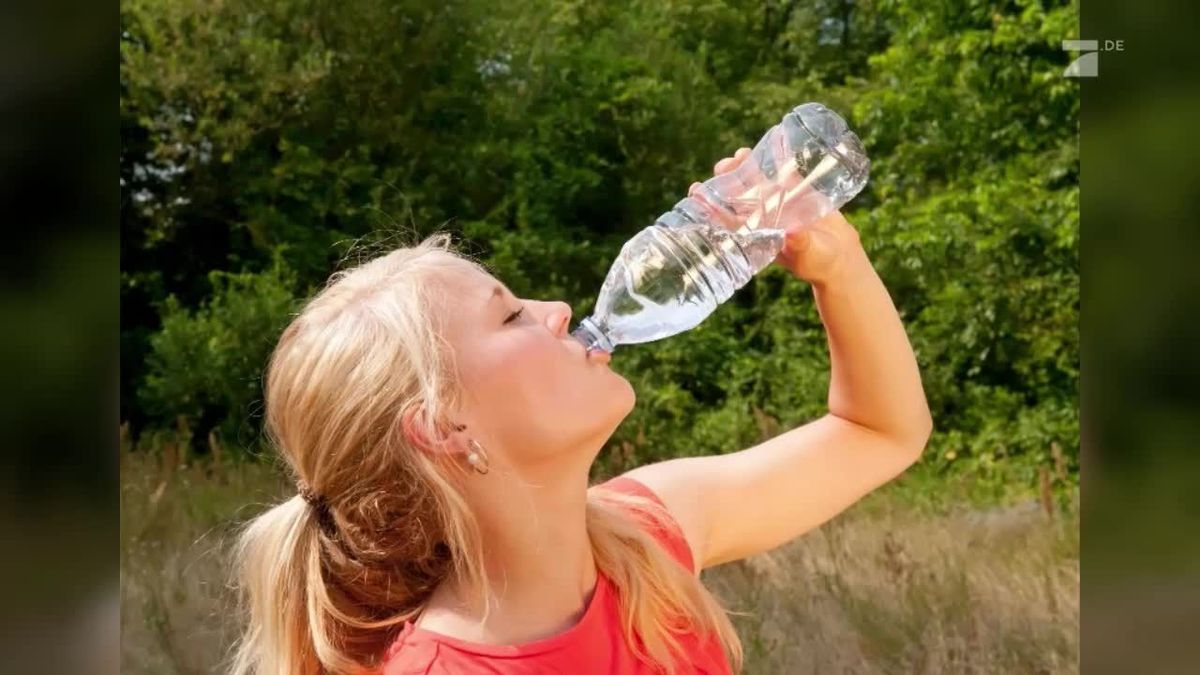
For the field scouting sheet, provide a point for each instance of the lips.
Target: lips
(599, 355)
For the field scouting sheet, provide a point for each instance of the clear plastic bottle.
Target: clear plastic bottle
(673, 274)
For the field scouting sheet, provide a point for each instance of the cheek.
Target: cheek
(516, 374)
(544, 384)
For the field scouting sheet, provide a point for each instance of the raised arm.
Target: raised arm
(735, 505)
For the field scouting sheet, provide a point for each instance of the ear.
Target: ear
(414, 432)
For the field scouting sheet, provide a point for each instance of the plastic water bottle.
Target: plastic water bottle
(673, 274)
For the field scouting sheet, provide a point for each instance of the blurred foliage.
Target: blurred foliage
(206, 364)
(260, 139)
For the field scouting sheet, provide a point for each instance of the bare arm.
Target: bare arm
(739, 504)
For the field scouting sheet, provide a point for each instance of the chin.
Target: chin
(630, 396)
(618, 400)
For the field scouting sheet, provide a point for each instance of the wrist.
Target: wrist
(850, 271)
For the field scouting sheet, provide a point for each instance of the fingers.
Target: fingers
(731, 163)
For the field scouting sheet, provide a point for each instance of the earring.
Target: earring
(477, 457)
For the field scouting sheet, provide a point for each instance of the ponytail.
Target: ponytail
(280, 584)
(327, 577)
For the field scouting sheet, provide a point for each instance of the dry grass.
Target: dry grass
(890, 591)
(177, 614)
(881, 589)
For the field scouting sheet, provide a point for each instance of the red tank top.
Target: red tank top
(595, 645)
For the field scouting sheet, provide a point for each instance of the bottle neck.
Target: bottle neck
(592, 336)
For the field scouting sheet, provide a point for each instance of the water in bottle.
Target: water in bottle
(669, 277)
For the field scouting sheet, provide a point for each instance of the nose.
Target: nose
(558, 319)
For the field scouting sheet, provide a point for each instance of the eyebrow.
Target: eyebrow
(497, 292)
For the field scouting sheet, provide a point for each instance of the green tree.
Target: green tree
(548, 132)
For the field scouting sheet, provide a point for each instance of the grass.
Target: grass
(888, 590)
(177, 613)
(891, 586)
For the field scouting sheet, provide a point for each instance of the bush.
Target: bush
(547, 132)
(206, 365)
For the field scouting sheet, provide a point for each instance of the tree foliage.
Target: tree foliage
(261, 138)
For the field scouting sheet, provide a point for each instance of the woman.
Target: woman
(440, 432)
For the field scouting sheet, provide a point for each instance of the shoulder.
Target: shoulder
(653, 513)
(406, 656)
(424, 657)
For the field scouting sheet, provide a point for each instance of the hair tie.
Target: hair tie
(319, 504)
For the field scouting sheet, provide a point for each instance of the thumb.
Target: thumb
(798, 242)
(809, 252)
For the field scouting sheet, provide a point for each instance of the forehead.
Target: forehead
(466, 288)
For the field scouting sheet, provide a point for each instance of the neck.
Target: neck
(537, 553)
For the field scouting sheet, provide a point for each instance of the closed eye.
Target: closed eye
(513, 317)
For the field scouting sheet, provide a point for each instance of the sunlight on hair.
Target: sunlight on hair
(363, 352)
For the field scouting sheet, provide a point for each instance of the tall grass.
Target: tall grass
(889, 590)
(178, 614)
(887, 587)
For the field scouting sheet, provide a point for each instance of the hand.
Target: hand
(816, 252)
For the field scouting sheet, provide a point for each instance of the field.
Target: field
(893, 585)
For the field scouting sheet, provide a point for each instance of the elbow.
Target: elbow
(915, 441)
(925, 429)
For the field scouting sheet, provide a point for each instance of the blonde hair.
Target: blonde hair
(326, 589)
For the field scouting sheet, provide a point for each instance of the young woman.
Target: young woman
(440, 432)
